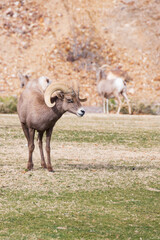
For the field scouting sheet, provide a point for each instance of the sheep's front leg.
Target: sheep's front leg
(105, 106)
(48, 139)
(31, 148)
(40, 136)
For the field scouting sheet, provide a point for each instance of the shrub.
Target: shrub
(8, 104)
(142, 108)
(137, 108)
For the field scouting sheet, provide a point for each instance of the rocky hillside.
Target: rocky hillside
(66, 39)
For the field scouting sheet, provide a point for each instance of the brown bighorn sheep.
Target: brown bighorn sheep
(40, 111)
(42, 82)
(112, 85)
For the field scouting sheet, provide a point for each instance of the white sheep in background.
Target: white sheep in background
(42, 82)
(111, 85)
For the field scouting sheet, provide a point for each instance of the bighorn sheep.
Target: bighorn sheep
(41, 82)
(112, 85)
(40, 111)
(23, 79)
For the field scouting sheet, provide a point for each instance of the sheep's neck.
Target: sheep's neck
(58, 110)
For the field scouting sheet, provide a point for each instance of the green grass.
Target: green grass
(136, 139)
(99, 214)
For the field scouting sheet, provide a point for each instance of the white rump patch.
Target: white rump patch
(119, 84)
(44, 82)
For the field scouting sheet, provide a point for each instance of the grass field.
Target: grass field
(105, 184)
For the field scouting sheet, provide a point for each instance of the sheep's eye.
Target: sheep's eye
(70, 100)
(47, 80)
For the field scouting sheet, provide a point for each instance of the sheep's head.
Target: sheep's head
(67, 95)
(23, 79)
(127, 77)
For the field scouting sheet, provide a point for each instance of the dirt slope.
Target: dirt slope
(66, 39)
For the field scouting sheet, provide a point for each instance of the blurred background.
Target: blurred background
(68, 39)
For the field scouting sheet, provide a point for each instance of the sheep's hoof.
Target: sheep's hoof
(43, 165)
(50, 169)
(30, 166)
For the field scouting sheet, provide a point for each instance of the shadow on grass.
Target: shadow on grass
(91, 167)
(101, 166)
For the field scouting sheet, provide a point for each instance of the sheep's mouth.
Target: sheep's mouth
(80, 115)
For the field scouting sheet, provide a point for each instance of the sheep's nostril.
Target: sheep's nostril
(83, 112)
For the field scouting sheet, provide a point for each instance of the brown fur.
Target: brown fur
(34, 114)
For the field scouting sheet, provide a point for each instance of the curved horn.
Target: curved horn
(82, 99)
(51, 91)
(77, 90)
(103, 66)
(75, 85)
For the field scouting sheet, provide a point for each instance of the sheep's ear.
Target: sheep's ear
(27, 77)
(57, 94)
(53, 99)
(60, 95)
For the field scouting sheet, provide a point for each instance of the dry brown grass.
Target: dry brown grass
(84, 159)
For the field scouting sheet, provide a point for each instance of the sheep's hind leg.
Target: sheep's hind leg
(31, 148)
(40, 136)
(119, 104)
(48, 139)
(26, 131)
(127, 100)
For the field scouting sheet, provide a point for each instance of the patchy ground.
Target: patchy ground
(105, 184)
